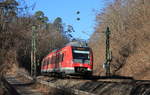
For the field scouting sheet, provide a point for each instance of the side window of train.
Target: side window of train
(57, 60)
(54, 59)
(48, 61)
(59, 57)
(62, 57)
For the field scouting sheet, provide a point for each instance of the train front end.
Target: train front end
(82, 60)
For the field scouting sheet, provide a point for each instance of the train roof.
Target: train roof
(77, 44)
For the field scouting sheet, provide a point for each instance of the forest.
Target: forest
(128, 21)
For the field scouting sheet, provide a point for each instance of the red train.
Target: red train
(70, 60)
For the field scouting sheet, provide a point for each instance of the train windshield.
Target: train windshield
(81, 55)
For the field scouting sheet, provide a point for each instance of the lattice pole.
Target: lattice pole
(107, 52)
(33, 53)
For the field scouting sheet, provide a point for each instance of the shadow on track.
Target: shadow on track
(94, 78)
(111, 77)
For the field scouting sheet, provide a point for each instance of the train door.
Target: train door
(60, 62)
(54, 63)
(46, 63)
(57, 63)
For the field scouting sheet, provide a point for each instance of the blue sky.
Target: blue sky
(66, 9)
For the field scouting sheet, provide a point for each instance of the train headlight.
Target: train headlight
(89, 69)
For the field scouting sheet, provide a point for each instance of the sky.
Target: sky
(67, 10)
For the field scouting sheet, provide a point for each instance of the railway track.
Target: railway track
(97, 86)
(116, 85)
